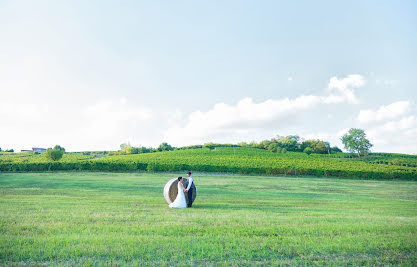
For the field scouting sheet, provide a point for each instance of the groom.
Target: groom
(189, 189)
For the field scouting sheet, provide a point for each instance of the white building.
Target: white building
(38, 149)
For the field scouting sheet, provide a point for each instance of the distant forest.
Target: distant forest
(280, 144)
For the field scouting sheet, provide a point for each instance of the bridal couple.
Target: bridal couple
(180, 202)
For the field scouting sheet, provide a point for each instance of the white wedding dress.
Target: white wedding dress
(179, 202)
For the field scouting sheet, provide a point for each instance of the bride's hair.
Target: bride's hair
(179, 178)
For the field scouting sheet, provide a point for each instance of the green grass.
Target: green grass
(79, 218)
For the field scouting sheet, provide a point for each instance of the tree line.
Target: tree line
(354, 141)
(280, 144)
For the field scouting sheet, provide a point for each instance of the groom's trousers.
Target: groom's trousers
(190, 196)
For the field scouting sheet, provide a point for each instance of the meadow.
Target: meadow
(102, 218)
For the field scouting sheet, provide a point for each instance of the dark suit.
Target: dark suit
(190, 194)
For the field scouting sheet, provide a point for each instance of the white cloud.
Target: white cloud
(102, 125)
(344, 88)
(384, 112)
(225, 120)
(395, 136)
(393, 130)
(402, 124)
(289, 78)
(247, 117)
(106, 123)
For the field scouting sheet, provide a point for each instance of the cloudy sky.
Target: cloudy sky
(90, 75)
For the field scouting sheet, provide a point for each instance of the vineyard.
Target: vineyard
(240, 160)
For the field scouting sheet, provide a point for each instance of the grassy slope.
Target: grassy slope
(98, 218)
(227, 160)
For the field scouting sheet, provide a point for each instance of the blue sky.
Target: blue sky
(94, 74)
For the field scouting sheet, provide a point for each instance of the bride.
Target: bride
(180, 201)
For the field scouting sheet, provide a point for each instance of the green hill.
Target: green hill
(227, 160)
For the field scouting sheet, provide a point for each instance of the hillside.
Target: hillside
(226, 160)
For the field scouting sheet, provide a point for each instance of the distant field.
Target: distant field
(227, 160)
(94, 218)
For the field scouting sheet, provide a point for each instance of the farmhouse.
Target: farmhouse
(34, 150)
(38, 149)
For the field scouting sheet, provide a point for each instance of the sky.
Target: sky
(91, 75)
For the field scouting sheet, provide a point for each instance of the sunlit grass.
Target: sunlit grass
(77, 218)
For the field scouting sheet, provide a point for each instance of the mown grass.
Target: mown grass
(84, 218)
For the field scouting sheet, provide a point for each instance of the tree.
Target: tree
(132, 150)
(243, 144)
(265, 144)
(165, 147)
(317, 146)
(59, 147)
(327, 144)
(274, 147)
(122, 146)
(143, 149)
(55, 153)
(355, 141)
(126, 148)
(320, 147)
(289, 142)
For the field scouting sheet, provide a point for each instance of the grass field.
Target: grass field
(73, 218)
